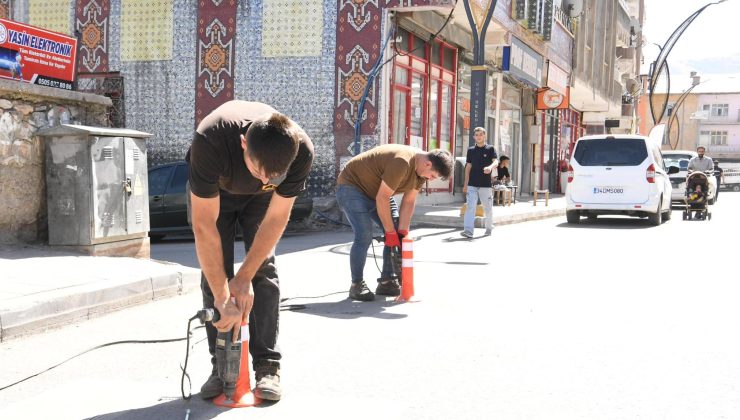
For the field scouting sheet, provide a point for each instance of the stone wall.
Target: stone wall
(24, 109)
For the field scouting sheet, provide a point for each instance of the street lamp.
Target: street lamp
(660, 64)
(695, 81)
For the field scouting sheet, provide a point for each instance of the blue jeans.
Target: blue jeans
(361, 213)
(486, 199)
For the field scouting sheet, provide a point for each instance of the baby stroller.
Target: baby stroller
(697, 190)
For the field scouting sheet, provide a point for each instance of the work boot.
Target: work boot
(360, 291)
(212, 388)
(267, 376)
(388, 287)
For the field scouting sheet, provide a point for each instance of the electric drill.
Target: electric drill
(228, 353)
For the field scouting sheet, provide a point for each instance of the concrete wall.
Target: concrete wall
(684, 135)
(24, 109)
(594, 88)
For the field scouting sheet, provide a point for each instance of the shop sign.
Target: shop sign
(550, 99)
(557, 78)
(523, 62)
(37, 56)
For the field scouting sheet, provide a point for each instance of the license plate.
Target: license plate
(608, 190)
(676, 184)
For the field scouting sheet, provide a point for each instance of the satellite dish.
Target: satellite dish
(573, 8)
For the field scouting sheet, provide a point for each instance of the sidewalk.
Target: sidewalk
(448, 215)
(42, 288)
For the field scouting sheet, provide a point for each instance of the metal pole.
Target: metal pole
(479, 14)
(660, 63)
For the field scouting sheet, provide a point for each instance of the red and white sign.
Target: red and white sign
(550, 99)
(37, 56)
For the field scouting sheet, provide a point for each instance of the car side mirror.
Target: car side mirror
(673, 170)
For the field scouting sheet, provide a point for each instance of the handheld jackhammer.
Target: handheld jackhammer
(228, 353)
(395, 257)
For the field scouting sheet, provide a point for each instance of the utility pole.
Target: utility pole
(479, 14)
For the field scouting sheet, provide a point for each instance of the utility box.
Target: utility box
(97, 190)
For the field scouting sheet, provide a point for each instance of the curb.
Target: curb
(456, 222)
(38, 313)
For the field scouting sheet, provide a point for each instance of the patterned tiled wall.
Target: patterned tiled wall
(91, 20)
(146, 30)
(301, 87)
(358, 29)
(54, 15)
(292, 28)
(160, 95)
(214, 67)
(316, 87)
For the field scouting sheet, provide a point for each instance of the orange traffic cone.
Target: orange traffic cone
(243, 396)
(407, 270)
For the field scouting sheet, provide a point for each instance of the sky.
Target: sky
(710, 45)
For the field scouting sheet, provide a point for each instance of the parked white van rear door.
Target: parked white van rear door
(610, 170)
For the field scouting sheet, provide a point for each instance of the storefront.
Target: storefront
(505, 101)
(560, 130)
(561, 125)
(422, 92)
(522, 73)
(503, 104)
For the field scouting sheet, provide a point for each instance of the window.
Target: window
(704, 138)
(720, 110)
(681, 161)
(610, 152)
(177, 185)
(158, 180)
(713, 138)
(669, 109)
(423, 94)
(719, 138)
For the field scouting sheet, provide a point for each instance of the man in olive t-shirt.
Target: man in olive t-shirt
(365, 193)
(248, 163)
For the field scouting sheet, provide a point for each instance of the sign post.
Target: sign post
(479, 14)
(37, 56)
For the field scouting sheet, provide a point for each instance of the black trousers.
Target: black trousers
(246, 213)
(716, 193)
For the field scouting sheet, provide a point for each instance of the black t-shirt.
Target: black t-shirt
(478, 158)
(503, 172)
(216, 156)
(718, 172)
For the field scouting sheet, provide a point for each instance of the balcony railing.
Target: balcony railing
(567, 21)
(723, 149)
(719, 120)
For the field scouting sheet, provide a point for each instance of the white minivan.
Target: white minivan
(618, 174)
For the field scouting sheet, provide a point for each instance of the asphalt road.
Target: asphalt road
(608, 319)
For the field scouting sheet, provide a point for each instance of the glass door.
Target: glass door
(416, 121)
(400, 106)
